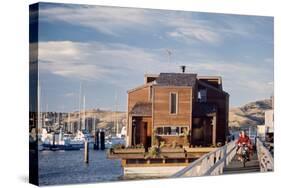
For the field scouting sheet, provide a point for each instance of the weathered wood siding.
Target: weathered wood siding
(144, 130)
(161, 109)
(138, 95)
(135, 96)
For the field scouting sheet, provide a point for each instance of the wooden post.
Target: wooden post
(54, 138)
(214, 134)
(86, 152)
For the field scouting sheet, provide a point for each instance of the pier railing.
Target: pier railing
(211, 163)
(265, 158)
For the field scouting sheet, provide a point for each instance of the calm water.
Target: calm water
(68, 167)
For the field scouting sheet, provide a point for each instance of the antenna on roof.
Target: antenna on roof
(169, 52)
(183, 68)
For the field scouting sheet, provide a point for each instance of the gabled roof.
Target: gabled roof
(212, 87)
(176, 79)
(180, 79)
(142, 109)
(140, 87)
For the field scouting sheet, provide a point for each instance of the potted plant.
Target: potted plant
(173, 148)
(131, 149)
(186, 135)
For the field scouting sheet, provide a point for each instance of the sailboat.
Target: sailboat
(118, 139)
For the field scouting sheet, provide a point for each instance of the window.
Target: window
(184, 130)
(167, 130)
(173, 103)
(175, 130)
(202, 95)
(170, 130)
(159, 131)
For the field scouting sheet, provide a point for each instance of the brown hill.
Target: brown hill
(249, 114)
(104, 119)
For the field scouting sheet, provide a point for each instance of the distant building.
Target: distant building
(168, 105)
(268, 122)
(268, 128)
(261, 131)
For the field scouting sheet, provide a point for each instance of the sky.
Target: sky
(102, 52)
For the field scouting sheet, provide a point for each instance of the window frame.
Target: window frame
(200, 92)
(179, 127)
(170, 103)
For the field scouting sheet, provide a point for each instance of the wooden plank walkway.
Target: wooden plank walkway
(236, 166)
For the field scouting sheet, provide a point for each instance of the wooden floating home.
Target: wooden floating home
(182, 115)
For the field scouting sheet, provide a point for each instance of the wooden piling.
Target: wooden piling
(86, 152)
(54, 138)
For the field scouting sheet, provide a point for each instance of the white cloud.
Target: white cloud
(181, 25)
(104, 19)
(112, 63)
(70, 94)
(200, 34)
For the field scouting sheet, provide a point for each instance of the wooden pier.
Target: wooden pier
(224, 161)
(236, 166)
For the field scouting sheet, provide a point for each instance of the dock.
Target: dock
(236, 166)
(224, 161)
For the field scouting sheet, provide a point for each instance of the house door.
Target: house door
(141, 131)
(148, 135)
(143, 135)
(136, 131)
(202, 131)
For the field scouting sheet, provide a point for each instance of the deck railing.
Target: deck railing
(265, 158)
(211, 163)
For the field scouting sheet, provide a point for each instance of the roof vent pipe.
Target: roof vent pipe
(182, 68)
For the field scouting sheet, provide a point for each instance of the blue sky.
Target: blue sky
(109, 49)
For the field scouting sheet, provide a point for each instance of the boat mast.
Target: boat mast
(84, 113)
(39, 105)
(47, 114)
(79, 120)
(116, 118)
(68, 122)
(94, 123)
(58, 119)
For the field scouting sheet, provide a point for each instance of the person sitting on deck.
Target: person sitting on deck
(243, 139)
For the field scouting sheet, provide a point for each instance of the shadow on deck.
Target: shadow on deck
(236, 167)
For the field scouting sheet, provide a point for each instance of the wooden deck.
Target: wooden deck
(236, 167)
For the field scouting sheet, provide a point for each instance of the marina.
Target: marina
(153, 142)
(130, 94)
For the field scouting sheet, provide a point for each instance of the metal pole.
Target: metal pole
(86, 152)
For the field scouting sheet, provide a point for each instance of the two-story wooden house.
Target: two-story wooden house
(169, 105)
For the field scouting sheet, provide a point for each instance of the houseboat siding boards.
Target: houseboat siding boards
(159, 97)
(140, 94)
(161, 111)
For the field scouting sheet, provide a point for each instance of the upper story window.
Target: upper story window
(173, 103)
(202, 95)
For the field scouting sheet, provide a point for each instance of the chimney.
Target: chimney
(182, 68)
